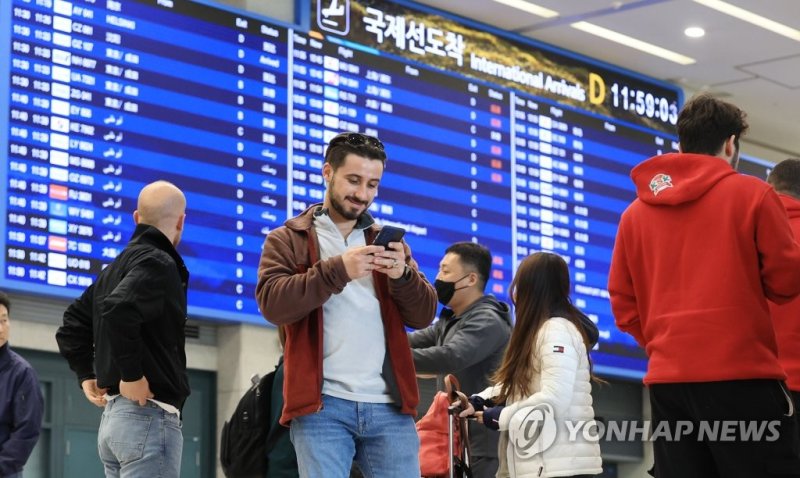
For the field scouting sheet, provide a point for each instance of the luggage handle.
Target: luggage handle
(454, 394)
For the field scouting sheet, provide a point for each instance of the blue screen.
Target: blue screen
(99, 99)
(753, 166)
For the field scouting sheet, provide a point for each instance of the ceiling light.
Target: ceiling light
(694, 32)
(633, 43)
(751, 17)
(530, 8)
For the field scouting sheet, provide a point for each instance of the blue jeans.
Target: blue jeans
(383, 441)
(137, 441)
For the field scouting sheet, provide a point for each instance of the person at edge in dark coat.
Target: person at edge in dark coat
(21, 402)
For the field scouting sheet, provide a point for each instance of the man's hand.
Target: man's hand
(392, 261)
(94, 394)
(360, 261)
(138, 391)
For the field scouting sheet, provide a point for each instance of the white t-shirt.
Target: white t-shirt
(164, 406)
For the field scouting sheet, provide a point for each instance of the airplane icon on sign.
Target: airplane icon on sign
(334, 17)
(334, 9)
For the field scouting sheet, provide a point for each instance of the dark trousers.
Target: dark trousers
(731, 408)
(484, 466)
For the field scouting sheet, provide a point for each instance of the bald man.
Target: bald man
(124, 339)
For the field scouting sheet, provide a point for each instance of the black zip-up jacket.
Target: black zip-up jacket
(130, 322)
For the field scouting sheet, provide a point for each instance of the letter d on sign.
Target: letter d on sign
(597, 89)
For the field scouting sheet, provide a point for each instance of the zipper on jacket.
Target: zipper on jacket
(541, 469)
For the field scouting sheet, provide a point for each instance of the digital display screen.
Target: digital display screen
(753, 166)
(494, 139)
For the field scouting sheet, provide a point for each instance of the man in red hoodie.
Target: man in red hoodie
(697, 255)
(785, 179)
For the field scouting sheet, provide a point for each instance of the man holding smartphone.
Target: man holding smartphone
(349, 385)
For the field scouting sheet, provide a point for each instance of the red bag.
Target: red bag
(434, 444)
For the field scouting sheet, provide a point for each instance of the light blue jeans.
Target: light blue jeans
(139, 441)
(383, 441)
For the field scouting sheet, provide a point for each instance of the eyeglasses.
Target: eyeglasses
(356, 139)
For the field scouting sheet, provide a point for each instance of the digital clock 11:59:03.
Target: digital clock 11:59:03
(638, 101)
(644, 103)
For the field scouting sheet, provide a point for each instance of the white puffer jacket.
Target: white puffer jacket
(551, 432)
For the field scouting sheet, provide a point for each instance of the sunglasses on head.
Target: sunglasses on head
(356, 139)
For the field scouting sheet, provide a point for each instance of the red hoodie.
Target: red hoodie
(696, 257)
(786, 317)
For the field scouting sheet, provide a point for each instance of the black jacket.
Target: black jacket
(469, 346)
(130, 322)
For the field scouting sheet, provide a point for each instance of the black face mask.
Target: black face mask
(445, 290)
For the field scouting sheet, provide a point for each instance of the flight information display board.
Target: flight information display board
(104, 98)
(490, 138)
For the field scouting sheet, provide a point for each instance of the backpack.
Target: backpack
(247, 438)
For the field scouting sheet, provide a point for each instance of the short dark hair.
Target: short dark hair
(4, 300)
(706, 122)
(353, 143)
(785, 177)
(474, 256)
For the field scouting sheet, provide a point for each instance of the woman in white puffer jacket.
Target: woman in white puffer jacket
(542, 401)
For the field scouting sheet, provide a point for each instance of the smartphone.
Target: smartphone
(388, 234)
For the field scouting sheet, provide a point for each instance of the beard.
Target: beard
(348, 212)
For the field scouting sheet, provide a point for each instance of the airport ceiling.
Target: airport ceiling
(755, 68)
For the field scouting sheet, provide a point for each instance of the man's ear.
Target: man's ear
(730, 146)
(475, 278)
(327, 173)
(136, 217)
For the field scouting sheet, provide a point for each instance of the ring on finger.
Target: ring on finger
(394, 263)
